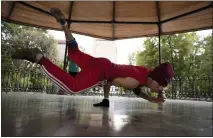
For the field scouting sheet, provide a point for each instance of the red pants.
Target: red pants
(94, 71)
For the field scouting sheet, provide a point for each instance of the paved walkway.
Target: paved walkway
(34, 114)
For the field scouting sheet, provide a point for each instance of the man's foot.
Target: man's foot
(33, 55)
(104, 103)
(58, 15)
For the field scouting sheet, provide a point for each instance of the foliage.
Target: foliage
(18, 37)
(190, 56)
(131, 59)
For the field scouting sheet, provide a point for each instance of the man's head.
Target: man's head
(160, 77)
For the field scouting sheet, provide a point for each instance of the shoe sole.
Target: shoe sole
(57, 14)
(100, 106)
(26, 54)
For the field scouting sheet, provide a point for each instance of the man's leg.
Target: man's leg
(86, 79)
(78, 57)
(105, 101)
(90, 75)
(73, 73)
(61, 92)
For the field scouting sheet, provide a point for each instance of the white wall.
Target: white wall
(100, 48)
(106, 49)
(61, 50)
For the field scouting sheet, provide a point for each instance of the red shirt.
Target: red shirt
(139, 73)
(112, 71)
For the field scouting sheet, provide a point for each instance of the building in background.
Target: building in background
(61, 49)
(105, 48)
(100, 48)
(61, 44)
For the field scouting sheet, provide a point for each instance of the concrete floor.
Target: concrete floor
(34, 114)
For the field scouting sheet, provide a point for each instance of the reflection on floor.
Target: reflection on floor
(33, 114)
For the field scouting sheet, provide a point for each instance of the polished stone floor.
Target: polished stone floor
(34, 114)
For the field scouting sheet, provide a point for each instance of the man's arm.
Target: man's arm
(141, 94)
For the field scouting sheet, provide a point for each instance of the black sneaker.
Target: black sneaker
(58, 15)
(28, 54)
(104, 103)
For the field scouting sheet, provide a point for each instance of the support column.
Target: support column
(66, 48)
(65, 58)
(159, 42)
(113, 20)
(212, 42)
(159, 31)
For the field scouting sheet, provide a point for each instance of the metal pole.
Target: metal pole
(11, 9)
(66, 48)
(65, 58)
(159, 46)
(119, 22)
(188, 13)
(159, 31)
(212, 43)
(113, 20)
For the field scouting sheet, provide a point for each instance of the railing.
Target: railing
(198, 88)
(32, 80)
(26, 78)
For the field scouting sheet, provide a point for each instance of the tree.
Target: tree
(17, 37)
(190, 56)
(180, 49)
(148, 57)
(206, 58)
(131, 58)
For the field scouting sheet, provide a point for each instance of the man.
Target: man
(96, 71)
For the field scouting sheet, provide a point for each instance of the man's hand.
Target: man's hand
(142, 94)
(149, 98)
(156, 100)
(160, 98)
